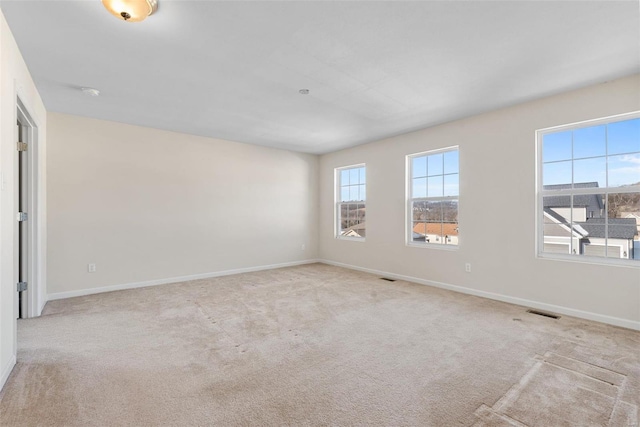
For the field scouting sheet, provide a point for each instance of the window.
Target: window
(433, 195)
(350, 205)
(589, 190)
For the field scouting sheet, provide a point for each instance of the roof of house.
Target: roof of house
(447, 229)
(350, 233)
(563, 222)
(619, 228)
(592, 202)
(630, 215)
(359, 226)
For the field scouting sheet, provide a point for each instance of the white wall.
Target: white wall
(497, 173)
(147, 205)
(15, 81)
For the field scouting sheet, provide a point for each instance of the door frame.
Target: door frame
(34, 293)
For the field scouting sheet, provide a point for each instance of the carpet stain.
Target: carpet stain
(40, 382)
(564, 392)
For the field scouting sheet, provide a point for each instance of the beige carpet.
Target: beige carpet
(316, 345)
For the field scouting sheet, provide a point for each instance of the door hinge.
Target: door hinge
(22, 286)
(22, 216)
(22, 146)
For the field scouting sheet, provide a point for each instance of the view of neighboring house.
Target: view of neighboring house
(591, 232)
(352, 219)
(435, 221)
(581, 229)
(435, 232)
(429, 232)
(635, 216)
(358, 230)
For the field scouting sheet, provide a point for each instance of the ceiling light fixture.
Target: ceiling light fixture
(90, 91)
(304, 91)
(131, 10)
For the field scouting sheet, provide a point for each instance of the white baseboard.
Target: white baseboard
(42, 304)
(616, 321)
(6, 371)
(111, 288)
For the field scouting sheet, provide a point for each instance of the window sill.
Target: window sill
(581, 259)
(351, 239)
(433, 246)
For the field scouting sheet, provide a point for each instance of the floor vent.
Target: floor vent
(387, 279)
(542, 313)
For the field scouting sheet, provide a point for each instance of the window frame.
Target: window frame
(540, 193)
(338, 202)
(409, 200)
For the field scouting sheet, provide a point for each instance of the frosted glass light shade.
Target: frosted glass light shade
(131, 10)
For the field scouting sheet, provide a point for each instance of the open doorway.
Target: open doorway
(25, 244)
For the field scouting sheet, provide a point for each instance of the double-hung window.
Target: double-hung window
(433, 196)
(589, 190)
(351, 198)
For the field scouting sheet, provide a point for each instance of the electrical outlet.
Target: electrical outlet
(467, 267)
(91, 268)
(303, 247)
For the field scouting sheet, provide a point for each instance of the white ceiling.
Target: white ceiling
(232, 69)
